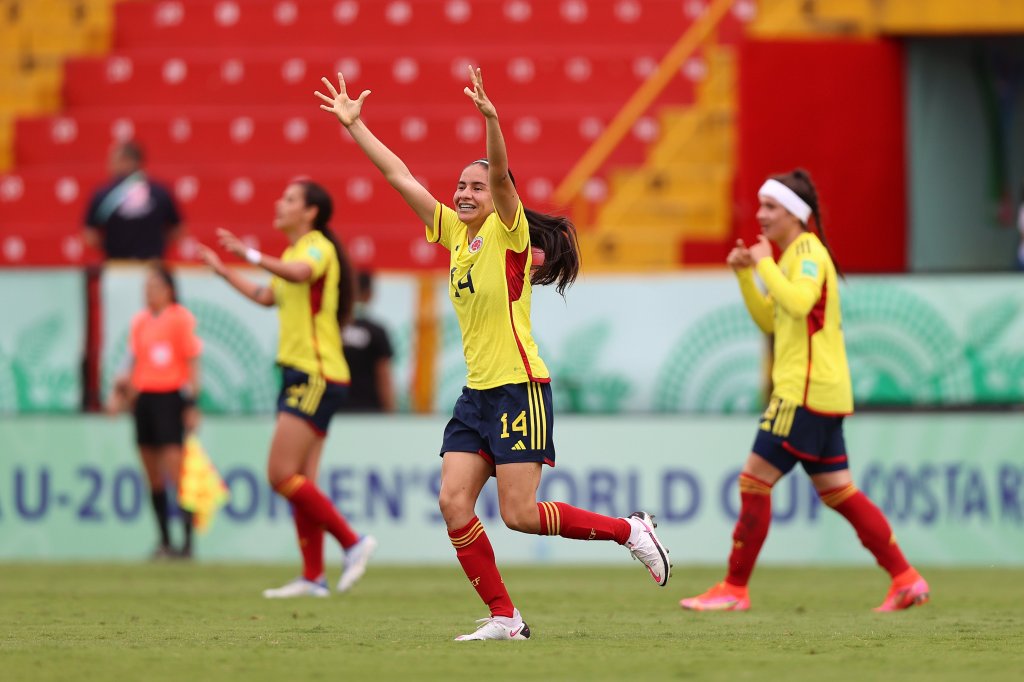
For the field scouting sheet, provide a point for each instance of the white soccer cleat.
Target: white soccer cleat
(300, 587)
(356, 558)
(499, 627)
(644, 545)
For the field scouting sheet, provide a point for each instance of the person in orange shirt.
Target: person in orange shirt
(161, 383)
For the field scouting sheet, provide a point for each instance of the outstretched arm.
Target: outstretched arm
(349, 113)
(294, 271)
(254, 292)
(503, 192)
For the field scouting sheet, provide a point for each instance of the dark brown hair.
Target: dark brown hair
(160, 269)
(799, 180)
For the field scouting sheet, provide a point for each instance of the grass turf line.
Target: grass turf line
(208, 622)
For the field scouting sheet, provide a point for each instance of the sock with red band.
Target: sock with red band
(311, 544)
(558, 518)
(872, 527)
(477, 558)
(751, 528)
(305, 497)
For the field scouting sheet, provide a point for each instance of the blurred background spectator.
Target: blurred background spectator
(368, 352)
(131, 216)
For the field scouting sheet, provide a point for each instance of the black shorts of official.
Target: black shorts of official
(507, 424)
(789, 433)
(310, 397)
(159, 418)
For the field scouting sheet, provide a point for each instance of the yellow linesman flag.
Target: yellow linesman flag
(202, 490)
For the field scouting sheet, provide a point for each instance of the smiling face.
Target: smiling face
(472, 197)
(777, 224)
(291, 212)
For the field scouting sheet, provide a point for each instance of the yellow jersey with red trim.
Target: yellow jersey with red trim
(489, 287)
(801, 308)
(309, 335)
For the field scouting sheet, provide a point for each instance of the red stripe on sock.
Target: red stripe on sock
(307, 498)
(477, 558)
(874, 532)
(558, 518)
(311, 544)
(751, 528)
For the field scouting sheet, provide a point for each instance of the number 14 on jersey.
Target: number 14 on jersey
(464, 283)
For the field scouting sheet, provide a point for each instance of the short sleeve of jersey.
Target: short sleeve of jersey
(518, 232)
(441, 229)
(173, 214)
(91, 219)
(312, 252)
(133, 336)
(189, 345)
(381, 343)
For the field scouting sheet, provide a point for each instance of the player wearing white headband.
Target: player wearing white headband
(811, 394)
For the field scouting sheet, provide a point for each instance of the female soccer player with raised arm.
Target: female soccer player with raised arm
(502, 424)
(312, 289)
(811, 393)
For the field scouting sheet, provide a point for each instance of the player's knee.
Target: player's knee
(521, 518)
(278, 475)
(454, 505)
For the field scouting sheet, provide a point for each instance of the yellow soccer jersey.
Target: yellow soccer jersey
(309, 335)
(802, 309)
(489, 286)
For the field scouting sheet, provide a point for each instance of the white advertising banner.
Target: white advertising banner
(952, 486)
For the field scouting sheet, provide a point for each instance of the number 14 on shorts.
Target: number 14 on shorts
(518, 424)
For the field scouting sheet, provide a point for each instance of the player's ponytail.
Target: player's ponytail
(799, 180)
(318, 197)
(555, 236)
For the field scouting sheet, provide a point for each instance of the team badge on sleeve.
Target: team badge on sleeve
(809, 268)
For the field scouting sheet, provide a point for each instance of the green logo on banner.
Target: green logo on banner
(716, 366)
(901, 349)
(36, 376)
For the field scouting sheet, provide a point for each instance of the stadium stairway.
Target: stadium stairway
(682, 191)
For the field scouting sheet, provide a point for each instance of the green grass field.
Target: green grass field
(208, 622)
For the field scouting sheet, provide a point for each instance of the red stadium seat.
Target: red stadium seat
(247, 78)
(376, 23)
(220, 95)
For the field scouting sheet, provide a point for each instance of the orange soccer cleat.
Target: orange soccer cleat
(721, 597)
(908, 589)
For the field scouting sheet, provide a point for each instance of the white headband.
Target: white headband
(789, 199)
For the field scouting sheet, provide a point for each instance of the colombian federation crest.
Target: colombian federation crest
(475, 245)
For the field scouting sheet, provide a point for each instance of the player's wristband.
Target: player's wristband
(253, 256)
